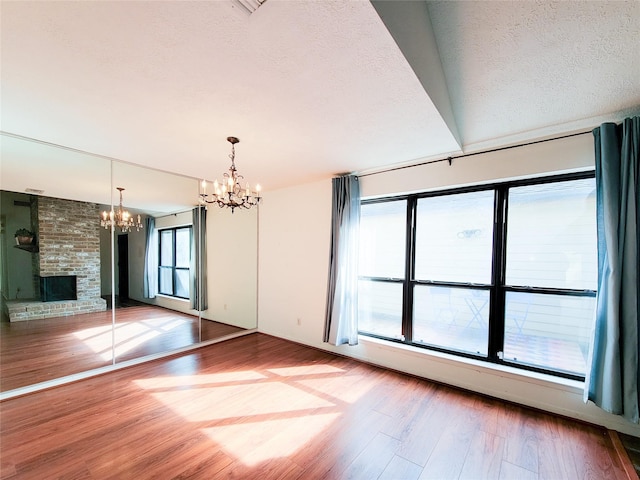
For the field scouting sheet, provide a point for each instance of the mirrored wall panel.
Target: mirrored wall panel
(153, 275)
(52, 299)
(102, 280)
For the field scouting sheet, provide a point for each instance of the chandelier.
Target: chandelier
(120, 218)
(230, 193)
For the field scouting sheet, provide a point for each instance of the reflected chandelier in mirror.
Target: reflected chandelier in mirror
(120, 218)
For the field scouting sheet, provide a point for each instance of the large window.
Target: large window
(551, 274)
(505, 273)
(175, 259)
(382, 268)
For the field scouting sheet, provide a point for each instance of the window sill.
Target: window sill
(169, 297)
(505, 371)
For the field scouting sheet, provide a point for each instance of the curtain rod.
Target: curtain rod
(174, 214)
(481, 152)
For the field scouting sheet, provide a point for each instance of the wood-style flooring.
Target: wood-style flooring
(258, 407)
(34, 351)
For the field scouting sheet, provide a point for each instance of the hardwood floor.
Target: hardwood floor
(38, 350)
(258, 407)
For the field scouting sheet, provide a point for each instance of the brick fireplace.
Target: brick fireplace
(68, 236)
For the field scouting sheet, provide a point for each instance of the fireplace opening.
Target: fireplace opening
(56, 288)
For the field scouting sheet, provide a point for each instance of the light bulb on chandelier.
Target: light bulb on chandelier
(230, 193)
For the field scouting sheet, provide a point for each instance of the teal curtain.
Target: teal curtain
(198, 270)
(150, 280)
(613, 371)
(341, 316)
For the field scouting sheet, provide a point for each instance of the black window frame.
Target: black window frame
(172, 267)
(497, 288)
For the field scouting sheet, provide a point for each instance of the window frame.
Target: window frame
(174, 269)
(497, 287)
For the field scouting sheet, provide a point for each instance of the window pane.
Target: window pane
(183, 247)
(551, 235)
(382, 239)
(455, 318)
(166, 247)
(182, 283)
(380, 308)
(454, 238)
(165, 281)
(550, 331)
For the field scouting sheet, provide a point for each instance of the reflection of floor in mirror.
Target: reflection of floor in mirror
(38, 350)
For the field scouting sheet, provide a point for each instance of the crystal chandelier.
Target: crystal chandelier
(120, 218)
(230, 193)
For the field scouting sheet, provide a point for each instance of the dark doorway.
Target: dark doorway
(123, 267)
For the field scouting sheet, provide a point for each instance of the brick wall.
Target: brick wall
(69, 242)
(68, 237)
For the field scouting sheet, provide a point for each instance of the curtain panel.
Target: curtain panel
(150, 280)
(613, 371)
(199, 259)
(341, 316)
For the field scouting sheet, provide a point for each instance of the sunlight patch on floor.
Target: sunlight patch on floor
(127, 335)
(259, 415)
(235, 401)
(256, 442)
(305, 370)
(346, 389)
(88, 333)
(193, 380)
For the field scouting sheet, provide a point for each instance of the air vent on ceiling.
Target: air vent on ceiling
(249, 6)
(35, 191)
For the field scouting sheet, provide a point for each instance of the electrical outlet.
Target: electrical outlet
(299, 321)
(225, 306)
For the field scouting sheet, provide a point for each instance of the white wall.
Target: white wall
(552, 157)
(232, 257)
(293, 266)
(293, 262)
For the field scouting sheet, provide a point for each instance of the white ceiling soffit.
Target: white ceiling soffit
(409, 24)
(519, 70)
(311, 88)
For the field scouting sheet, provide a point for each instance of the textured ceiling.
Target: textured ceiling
(523, 69)
(312, 88)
